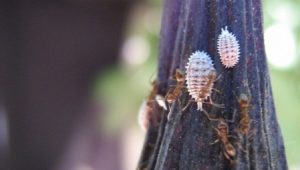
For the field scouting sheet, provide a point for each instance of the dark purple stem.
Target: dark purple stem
(184, 141)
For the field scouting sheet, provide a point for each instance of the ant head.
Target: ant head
(243, 97)
(212, 74)
(222, 123)
(179, 75)
(244, 100)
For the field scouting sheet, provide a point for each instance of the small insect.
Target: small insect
(223, 135)
(147, 107)
(228, 48)
(173, 94)
(200, 77)
(245, 121)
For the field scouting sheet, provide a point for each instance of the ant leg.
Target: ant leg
(218, 77)
(208, 117)
(241, 147)
(251, 134)
(214, 142)
(233, 116)
(216, 90)
(221, 106)
(237, 98)
(239, 133)
(186, 106)
(227, 156)
(215, 104)
(230, 136)
(179, 102)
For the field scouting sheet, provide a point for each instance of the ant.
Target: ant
(223, 136)
(173, 94)
(244, 103)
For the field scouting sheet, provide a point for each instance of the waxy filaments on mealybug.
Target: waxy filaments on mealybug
(228, 48)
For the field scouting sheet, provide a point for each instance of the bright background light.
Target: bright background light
(135, 50)
(280, 46)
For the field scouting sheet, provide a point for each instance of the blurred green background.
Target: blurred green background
(124, 87)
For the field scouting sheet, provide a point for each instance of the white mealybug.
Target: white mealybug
(228, 48)
(200, 77)
(145, 114)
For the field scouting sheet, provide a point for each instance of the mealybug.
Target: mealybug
(228, 48)
(200, 77)
(145, 115)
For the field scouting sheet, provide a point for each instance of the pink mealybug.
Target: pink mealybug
(200, 77)
(145, 114)
(228, 48)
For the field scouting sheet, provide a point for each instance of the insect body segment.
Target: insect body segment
(228, 48)
(200, 77)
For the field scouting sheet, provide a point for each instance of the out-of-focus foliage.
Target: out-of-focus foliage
(286, 80)
(123, 88)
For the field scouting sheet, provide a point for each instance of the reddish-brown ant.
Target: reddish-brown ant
(174, 93)
(223, 136)
(244, 103)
